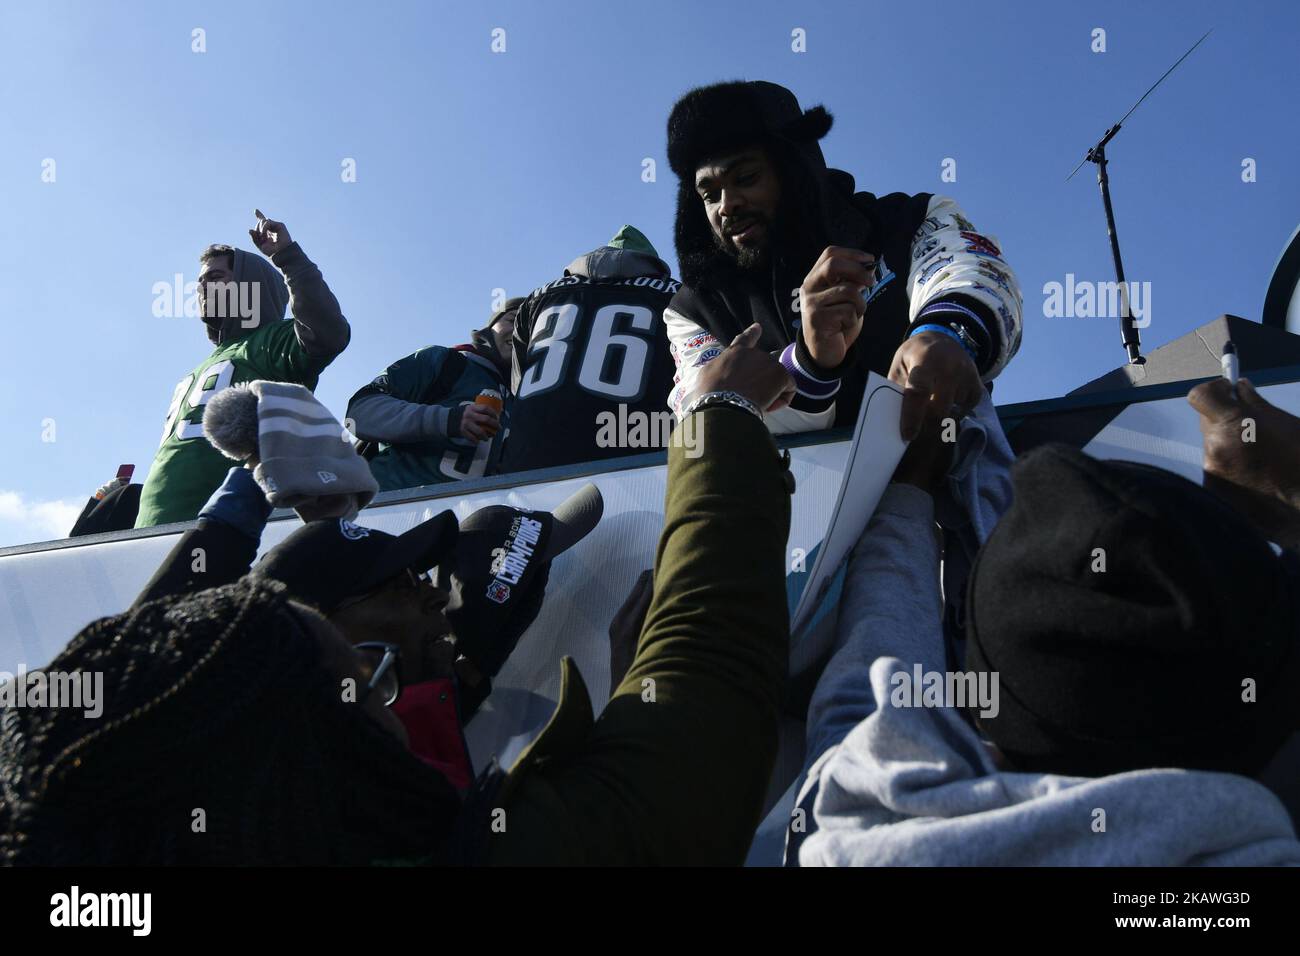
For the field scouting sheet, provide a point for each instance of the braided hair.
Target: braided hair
(223, 740)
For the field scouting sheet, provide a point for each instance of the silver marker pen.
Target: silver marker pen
(1231, 370)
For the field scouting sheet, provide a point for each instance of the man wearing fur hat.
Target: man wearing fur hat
(422, 409)
(841, 282)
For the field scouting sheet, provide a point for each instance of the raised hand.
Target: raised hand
(1251, 456)
(269, 235)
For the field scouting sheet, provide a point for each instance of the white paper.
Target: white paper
(874, 453)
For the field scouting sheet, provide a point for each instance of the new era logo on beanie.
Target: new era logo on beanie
(326, 563)
(498, 576)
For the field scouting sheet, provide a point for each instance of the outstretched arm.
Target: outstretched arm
(318, 321)
(675, 769)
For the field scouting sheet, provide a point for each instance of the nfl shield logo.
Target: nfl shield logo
(498, 592)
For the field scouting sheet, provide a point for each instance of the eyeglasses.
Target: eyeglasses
(382, 660)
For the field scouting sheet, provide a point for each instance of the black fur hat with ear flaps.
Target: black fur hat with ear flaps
(711, 121)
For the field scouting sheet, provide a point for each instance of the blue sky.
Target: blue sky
(479, 170)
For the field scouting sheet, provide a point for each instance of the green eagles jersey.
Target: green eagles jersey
(413, 379)
(187, 469)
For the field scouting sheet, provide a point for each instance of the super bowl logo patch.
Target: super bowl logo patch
(933, 266)
(977, 243)
(994, 273)
(708, 355)
(498, 592)
(981, 287)
(931, 224)
(924, 249)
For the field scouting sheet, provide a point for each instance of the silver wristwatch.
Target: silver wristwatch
(722, 398)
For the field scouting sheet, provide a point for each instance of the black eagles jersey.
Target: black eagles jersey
(592, 366)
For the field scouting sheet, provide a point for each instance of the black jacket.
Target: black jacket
(206, 556)
(929, 256)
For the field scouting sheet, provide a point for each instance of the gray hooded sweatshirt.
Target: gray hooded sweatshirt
(892, 783)
(253, 342)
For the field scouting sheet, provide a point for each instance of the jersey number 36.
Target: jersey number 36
(613, 365)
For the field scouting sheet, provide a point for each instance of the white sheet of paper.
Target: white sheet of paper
(874, 454)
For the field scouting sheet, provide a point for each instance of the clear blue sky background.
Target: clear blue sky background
(479, 170)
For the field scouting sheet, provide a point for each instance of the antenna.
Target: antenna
(1097, 155)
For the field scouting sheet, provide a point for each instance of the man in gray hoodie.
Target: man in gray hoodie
(242, 298)
(1133, 672)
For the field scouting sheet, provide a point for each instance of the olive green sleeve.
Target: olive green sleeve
(676, 768)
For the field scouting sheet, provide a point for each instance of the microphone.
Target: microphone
(230, 422)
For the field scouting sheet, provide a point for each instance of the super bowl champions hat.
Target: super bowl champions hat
(497, 575)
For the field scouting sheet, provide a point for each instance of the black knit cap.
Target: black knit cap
(483, 340)
(510, 305)
(1142, 664)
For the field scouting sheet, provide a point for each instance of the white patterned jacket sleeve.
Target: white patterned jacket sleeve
(950, 257)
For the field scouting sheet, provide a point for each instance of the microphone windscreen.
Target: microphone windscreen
(230, 422)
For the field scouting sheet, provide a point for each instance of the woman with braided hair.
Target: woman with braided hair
(226, 734)
(227, 737)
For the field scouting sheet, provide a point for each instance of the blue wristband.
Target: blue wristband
(935, 327)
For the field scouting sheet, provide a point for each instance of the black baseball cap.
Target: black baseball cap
(329, 562)
(498, 573)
